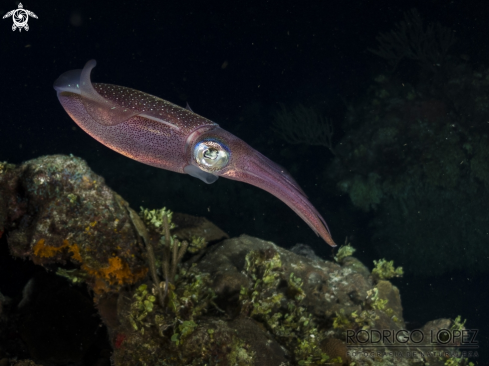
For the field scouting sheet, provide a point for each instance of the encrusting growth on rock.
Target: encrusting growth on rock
(168, 298)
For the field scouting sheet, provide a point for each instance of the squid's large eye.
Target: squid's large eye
(211, 155)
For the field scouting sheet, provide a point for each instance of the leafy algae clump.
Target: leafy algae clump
(343, 252)
(141, 307)
(154, 218)
(283, 315)
(197, 243)
(385, 270)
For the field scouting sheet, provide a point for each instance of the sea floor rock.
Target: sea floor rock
(240, 301)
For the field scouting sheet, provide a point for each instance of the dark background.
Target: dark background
(233, 61)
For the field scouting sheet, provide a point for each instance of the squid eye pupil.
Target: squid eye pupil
(211, 154)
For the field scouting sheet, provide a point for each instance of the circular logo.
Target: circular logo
(20, 18)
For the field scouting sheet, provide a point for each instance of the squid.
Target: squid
(156, 132)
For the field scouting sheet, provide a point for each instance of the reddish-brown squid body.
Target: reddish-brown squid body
(156, 132)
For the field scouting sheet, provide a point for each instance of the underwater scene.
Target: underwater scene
(244, 183)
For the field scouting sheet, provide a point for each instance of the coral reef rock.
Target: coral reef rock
(241, 301)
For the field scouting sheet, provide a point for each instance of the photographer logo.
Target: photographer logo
(20, 17)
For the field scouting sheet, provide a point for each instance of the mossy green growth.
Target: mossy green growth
(73, 198)
(458, 324)
(295, 288)
(184, 329)
(142, 305)
(376, 303)
(308, 349)
(455, 361)
(341, 320)
(366, 317)
(196, 244)
(289, 322)
(176, 324)
(154, 219)
(385, 270)
(4, 166)
(264, 272)
(240, 355)
(344, 251)
(187, 301)
(192, 295)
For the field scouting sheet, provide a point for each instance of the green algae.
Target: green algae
(385, 270)
(283, 315)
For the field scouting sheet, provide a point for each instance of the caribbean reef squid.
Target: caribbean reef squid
(156, 132)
